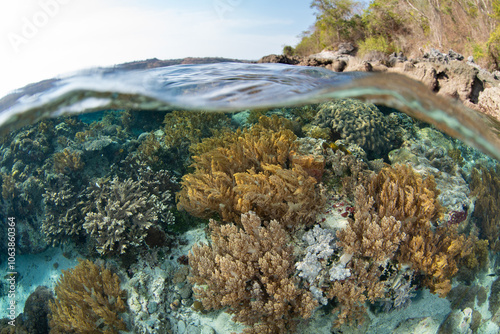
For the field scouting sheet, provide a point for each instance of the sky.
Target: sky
(40, 39)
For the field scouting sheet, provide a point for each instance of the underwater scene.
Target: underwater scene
(246, 198)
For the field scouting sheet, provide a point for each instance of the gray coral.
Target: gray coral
(123, 213)
(358, 123)
(64, 211)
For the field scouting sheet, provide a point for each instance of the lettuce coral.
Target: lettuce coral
(248, 271)
(88, 300)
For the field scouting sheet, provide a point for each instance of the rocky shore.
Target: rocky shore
(445, 74)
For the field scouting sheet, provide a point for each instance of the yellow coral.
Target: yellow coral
(248, 173)
(88, 301)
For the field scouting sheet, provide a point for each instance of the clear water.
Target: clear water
(65, 140)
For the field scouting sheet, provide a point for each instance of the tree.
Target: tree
(338, 15)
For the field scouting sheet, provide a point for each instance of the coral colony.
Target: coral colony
(335, 210)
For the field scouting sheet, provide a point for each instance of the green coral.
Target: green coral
(358, 123)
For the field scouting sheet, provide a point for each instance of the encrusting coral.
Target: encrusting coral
(248, 271)
(88, 300)
(251, 171)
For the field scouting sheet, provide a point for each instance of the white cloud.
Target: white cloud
(41, 39)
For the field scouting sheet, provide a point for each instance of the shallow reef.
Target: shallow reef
(335, 217)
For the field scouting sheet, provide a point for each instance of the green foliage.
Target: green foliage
(288, 50)
(478, 51)
(493, 44)
(378, 43)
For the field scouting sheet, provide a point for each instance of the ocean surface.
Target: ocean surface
(125, 168)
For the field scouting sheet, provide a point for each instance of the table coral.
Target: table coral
(88, 300)
(248, 271)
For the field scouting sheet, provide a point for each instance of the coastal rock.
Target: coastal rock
(489, 102)
(281, 59)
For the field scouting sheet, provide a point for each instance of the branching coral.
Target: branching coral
(249, 173)
(368, 235)
(401, 193)
(122, 214)
(248, 271)
(88, 300)
(392, 226)
(64, 210)
(67, 161)
(485, 186)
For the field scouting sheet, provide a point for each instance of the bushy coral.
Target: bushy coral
(393, 228)
(67, 161)
(88, 300)
(249, 172)
(248, 272)
(485, 186)
(359, 123)
(368, 235)
(122, 213)
(64, 210)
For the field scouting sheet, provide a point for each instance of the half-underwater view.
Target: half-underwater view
(217, 167)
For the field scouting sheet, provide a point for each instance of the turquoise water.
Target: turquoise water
(126, 167)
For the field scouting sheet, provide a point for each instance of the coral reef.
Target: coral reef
(67, 161)
(485, 186)
(36, 311)
(248, 271)
(121, 215)
(248, 172)
(88, 300)
(64, 210)
(401, 192)
(359, 123)
(368, 235)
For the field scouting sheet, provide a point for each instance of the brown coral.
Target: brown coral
(485, 186)
(401, 193)
(226, 178)
(363, 284)
(88, 300)
(67, 161)
(248, 271)
(368, 235)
